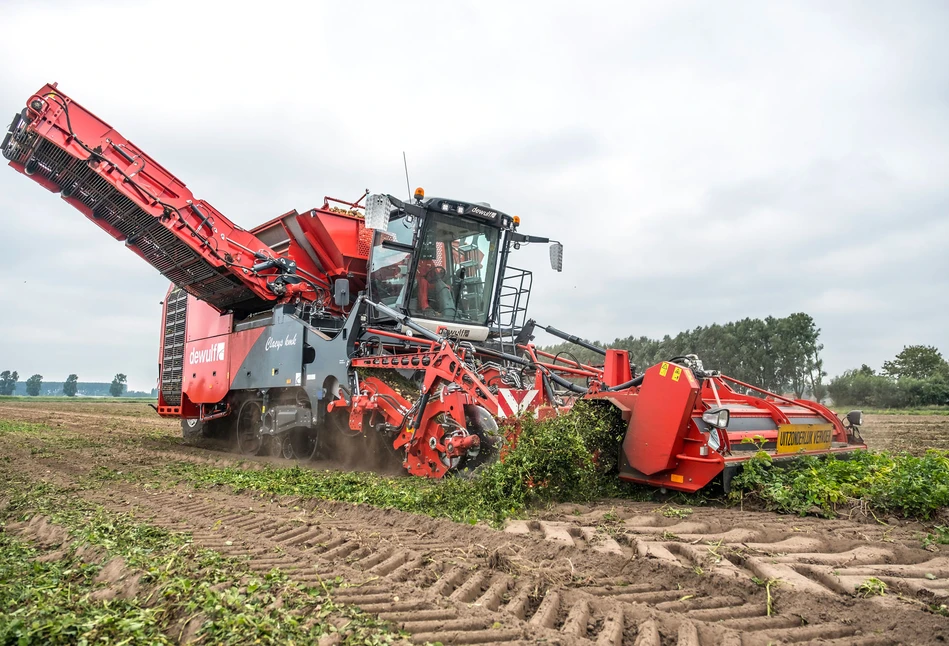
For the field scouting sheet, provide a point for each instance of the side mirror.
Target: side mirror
(341, 292)
(378, 208)
(556, 256)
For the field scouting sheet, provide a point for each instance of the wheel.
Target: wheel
(299, 444)
(481, 423)
(249, 440)
(192, 430)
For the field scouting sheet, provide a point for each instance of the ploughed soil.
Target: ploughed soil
(607, 573)
(912, 433)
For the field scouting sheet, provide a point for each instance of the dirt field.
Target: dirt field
(611, 573)
(912, 433)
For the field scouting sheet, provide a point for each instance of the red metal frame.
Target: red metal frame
(97, 154)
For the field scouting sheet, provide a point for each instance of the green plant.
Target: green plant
(674, 512)
(180, 586)
(872, 587)
(767, 585)
(902, 483)
(940, 536)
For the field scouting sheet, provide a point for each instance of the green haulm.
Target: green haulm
(181, 587)
(903, 484)
(572, 457)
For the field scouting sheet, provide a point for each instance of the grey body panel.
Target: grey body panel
(292, 354)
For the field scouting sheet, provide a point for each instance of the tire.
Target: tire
(300, 444)
(482, 424)
(247, 438)
(193, 430)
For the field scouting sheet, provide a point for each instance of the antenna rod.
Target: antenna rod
(408, 187)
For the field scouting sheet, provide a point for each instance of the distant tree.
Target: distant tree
(8, 382)
(917, 362)
(118, 385)
(866, 371)
(777, 354)
(797, 353)
(33, 385)
(71, 385)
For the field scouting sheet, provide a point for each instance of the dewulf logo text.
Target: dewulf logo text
(276, 344)
(214, 353)
(462, 333)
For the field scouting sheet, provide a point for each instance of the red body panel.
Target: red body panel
(663, 407)
(340, 242)
(213, 354)
(204, 321)
(206, 376)
(616, 369)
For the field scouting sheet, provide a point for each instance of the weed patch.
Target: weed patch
(902, 484)
(10, 427)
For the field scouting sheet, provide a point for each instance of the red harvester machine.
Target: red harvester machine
(396, 323)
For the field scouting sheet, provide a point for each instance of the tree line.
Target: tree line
(917, 376)
(70, 387)
(781, 355)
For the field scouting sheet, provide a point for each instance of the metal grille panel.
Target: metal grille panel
(173, 349)
(145, 233)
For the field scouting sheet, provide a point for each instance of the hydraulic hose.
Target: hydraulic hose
(569, 385)
(573, 339)
(638, 381)
(406, 321)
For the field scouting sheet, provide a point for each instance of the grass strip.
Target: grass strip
(925, 411)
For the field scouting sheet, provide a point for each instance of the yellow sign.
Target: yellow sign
(663, 369)
(804, 437)
(676, 374)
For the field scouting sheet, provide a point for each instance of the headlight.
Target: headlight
(855, 417)
(378, 208)
(717, 417)
(714, 442)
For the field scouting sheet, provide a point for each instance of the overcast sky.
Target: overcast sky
(702, 162)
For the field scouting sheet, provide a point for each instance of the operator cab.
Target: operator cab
(439, 261)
